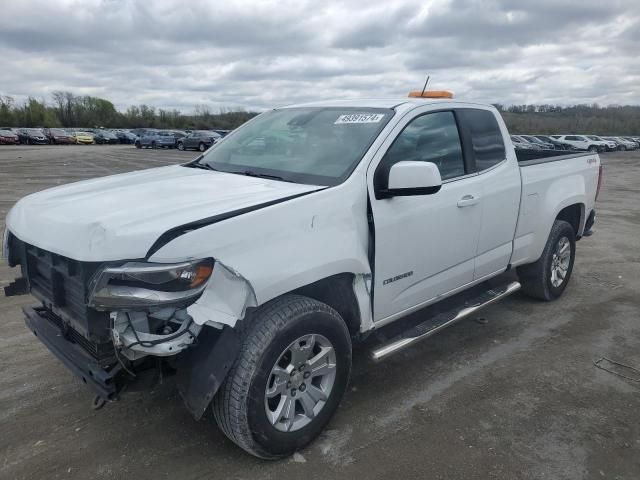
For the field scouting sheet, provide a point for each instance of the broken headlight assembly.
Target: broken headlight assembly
(140, 285)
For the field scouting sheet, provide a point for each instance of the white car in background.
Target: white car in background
(582, 143)
(622, 143)
(609, 145)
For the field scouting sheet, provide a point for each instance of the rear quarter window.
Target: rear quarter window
(485, 137)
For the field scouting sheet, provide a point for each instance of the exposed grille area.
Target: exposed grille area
(62, 285)
(60, 280)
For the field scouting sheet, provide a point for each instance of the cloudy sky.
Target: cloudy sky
(179, 53)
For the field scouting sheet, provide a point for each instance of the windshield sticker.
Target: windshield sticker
(360, 118)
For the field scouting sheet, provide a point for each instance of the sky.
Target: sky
(257, 55)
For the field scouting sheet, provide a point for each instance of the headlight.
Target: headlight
(141, 285)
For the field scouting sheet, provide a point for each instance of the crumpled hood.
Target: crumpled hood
(121, 216)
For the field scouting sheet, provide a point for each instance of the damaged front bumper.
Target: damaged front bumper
(103, 379)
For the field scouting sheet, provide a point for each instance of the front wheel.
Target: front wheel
(593, 149)
(202, 147)
(547, 278)
(288, 379)
(181, 146)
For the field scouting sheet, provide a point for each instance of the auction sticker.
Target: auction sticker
(360, 118)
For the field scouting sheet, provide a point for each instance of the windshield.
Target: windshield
(319, 146)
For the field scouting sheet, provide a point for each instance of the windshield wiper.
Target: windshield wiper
(251, 173)
(204, 166)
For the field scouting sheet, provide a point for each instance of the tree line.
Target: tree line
(585, 119)
(64, 109)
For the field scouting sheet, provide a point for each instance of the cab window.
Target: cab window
(485, 137)
(432, 138)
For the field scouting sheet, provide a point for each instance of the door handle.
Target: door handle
(467, 201)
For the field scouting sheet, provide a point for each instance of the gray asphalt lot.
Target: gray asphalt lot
(515, 397)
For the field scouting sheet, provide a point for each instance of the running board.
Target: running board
(435, 324)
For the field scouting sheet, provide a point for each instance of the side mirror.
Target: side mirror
(412, 178)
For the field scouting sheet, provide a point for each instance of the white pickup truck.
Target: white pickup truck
(250, 270)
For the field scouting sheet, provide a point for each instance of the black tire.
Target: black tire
(202, 147)
(153, 145)
(535, 278)
(622, 148)
(239, 407)
(137, 144)
(593, 148)
(181, 146)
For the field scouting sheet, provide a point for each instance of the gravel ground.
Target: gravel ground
(517, 396)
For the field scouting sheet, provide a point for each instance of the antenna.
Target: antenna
(425, 85)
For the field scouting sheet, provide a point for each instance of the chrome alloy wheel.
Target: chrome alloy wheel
(560, 261)
(300, 383)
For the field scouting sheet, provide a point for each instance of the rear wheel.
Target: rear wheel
(289, 377)
(547, 278)
(154, 145)
(593, 148)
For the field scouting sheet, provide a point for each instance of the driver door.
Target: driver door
(425, 245)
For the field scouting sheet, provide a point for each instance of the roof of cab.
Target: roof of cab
(395, 103)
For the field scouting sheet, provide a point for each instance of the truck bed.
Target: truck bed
(534, 157)
(549, 184)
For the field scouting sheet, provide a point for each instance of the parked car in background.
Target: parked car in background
(558, 145)
(177, 134)
(609, 145)
(199, 139)
(32, 136)
(631, 139)
(125, 136)
(582, 143)
(138, 132)
(537, 141)
(58, 136)
(622, 143)
(9, 137)
(156, 139)
(83, 138)
(520, 143)
(102, 136)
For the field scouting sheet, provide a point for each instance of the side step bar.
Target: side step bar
(435, 324)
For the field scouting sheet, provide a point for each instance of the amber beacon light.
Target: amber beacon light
(431, 94)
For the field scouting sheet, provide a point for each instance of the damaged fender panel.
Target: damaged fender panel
(362, 290)
(270, 252)
(224, 300)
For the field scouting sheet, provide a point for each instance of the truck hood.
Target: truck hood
(121, 216)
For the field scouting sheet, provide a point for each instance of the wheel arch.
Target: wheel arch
(337, 291)
(574, 215)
